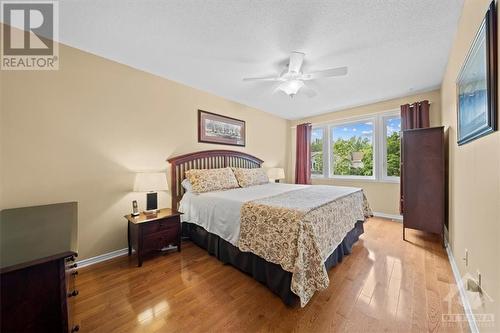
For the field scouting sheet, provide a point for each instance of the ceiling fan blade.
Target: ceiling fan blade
(296, 60)
(339, 71)
(264, 78)
(309, 92)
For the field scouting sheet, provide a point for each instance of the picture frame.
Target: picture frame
(219, 129)
(477, 84)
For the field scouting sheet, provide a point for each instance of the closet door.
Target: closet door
(424, 179)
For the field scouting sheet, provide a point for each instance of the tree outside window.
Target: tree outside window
(393, 146)
(352, 148)
(317, 151)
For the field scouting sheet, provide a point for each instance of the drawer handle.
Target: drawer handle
(72, 258)
(75, 328)
(75, 265)
(73, 293)
(75, 273)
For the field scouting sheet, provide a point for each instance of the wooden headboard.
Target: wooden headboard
(207, 159)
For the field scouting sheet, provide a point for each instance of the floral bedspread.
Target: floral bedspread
(299, 230)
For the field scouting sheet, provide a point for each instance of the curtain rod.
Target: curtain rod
(351, 117)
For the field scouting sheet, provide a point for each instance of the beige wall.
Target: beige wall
(80, 133)
(383, 196)
(474, 177)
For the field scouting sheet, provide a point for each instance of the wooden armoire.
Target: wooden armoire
(424, 180)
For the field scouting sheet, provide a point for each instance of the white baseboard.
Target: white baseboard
(463, 296)
(102, 257)
(389, 216)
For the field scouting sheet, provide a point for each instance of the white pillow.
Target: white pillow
(187, 185)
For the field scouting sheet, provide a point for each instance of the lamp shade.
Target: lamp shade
(276, 173)
(150, 181)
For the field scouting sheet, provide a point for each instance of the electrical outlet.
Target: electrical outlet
(474, 285)
(466, 258)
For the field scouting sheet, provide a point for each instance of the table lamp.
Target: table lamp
(276, 174)
(151, 182)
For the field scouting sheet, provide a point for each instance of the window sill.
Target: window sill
(357, 179)
(395, 180)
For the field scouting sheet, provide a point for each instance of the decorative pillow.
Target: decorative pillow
(186, 184)
(206, 180)
(249, 177)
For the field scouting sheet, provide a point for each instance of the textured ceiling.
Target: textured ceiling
(392, 47)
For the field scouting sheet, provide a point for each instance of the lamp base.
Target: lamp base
(151, 201)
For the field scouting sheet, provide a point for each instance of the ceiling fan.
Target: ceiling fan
(292, 78)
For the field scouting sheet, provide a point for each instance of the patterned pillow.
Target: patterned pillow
(206, 180)
(249, 177)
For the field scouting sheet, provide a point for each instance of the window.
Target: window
(352, 149)
(367, 148)
(317, 151)
(392, 146)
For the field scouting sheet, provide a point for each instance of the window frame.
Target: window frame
(379, 143)
(383, 145)
(326, 162)
(325, 153)
(374, 145)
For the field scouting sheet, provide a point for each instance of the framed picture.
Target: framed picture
(477, 84)
(214, 128)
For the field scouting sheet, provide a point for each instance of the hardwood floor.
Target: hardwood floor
(386, 284)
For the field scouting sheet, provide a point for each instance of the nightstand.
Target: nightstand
(148, 234)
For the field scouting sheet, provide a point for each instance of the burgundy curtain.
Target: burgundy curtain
(414, 115)
(303, 155)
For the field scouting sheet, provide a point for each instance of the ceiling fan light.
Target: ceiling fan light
(291, 87)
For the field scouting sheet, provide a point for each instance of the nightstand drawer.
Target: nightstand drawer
(159, 226)
(161, 239)
(151, 233)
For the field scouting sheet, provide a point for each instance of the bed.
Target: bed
(286, 236)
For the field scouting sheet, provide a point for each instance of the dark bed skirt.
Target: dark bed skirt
(272, 275)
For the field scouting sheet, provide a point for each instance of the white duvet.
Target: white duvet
(219, 212)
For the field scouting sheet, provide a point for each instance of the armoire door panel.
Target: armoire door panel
(423, 179)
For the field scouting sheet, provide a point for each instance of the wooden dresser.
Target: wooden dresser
(424, 180)
(38, 268)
